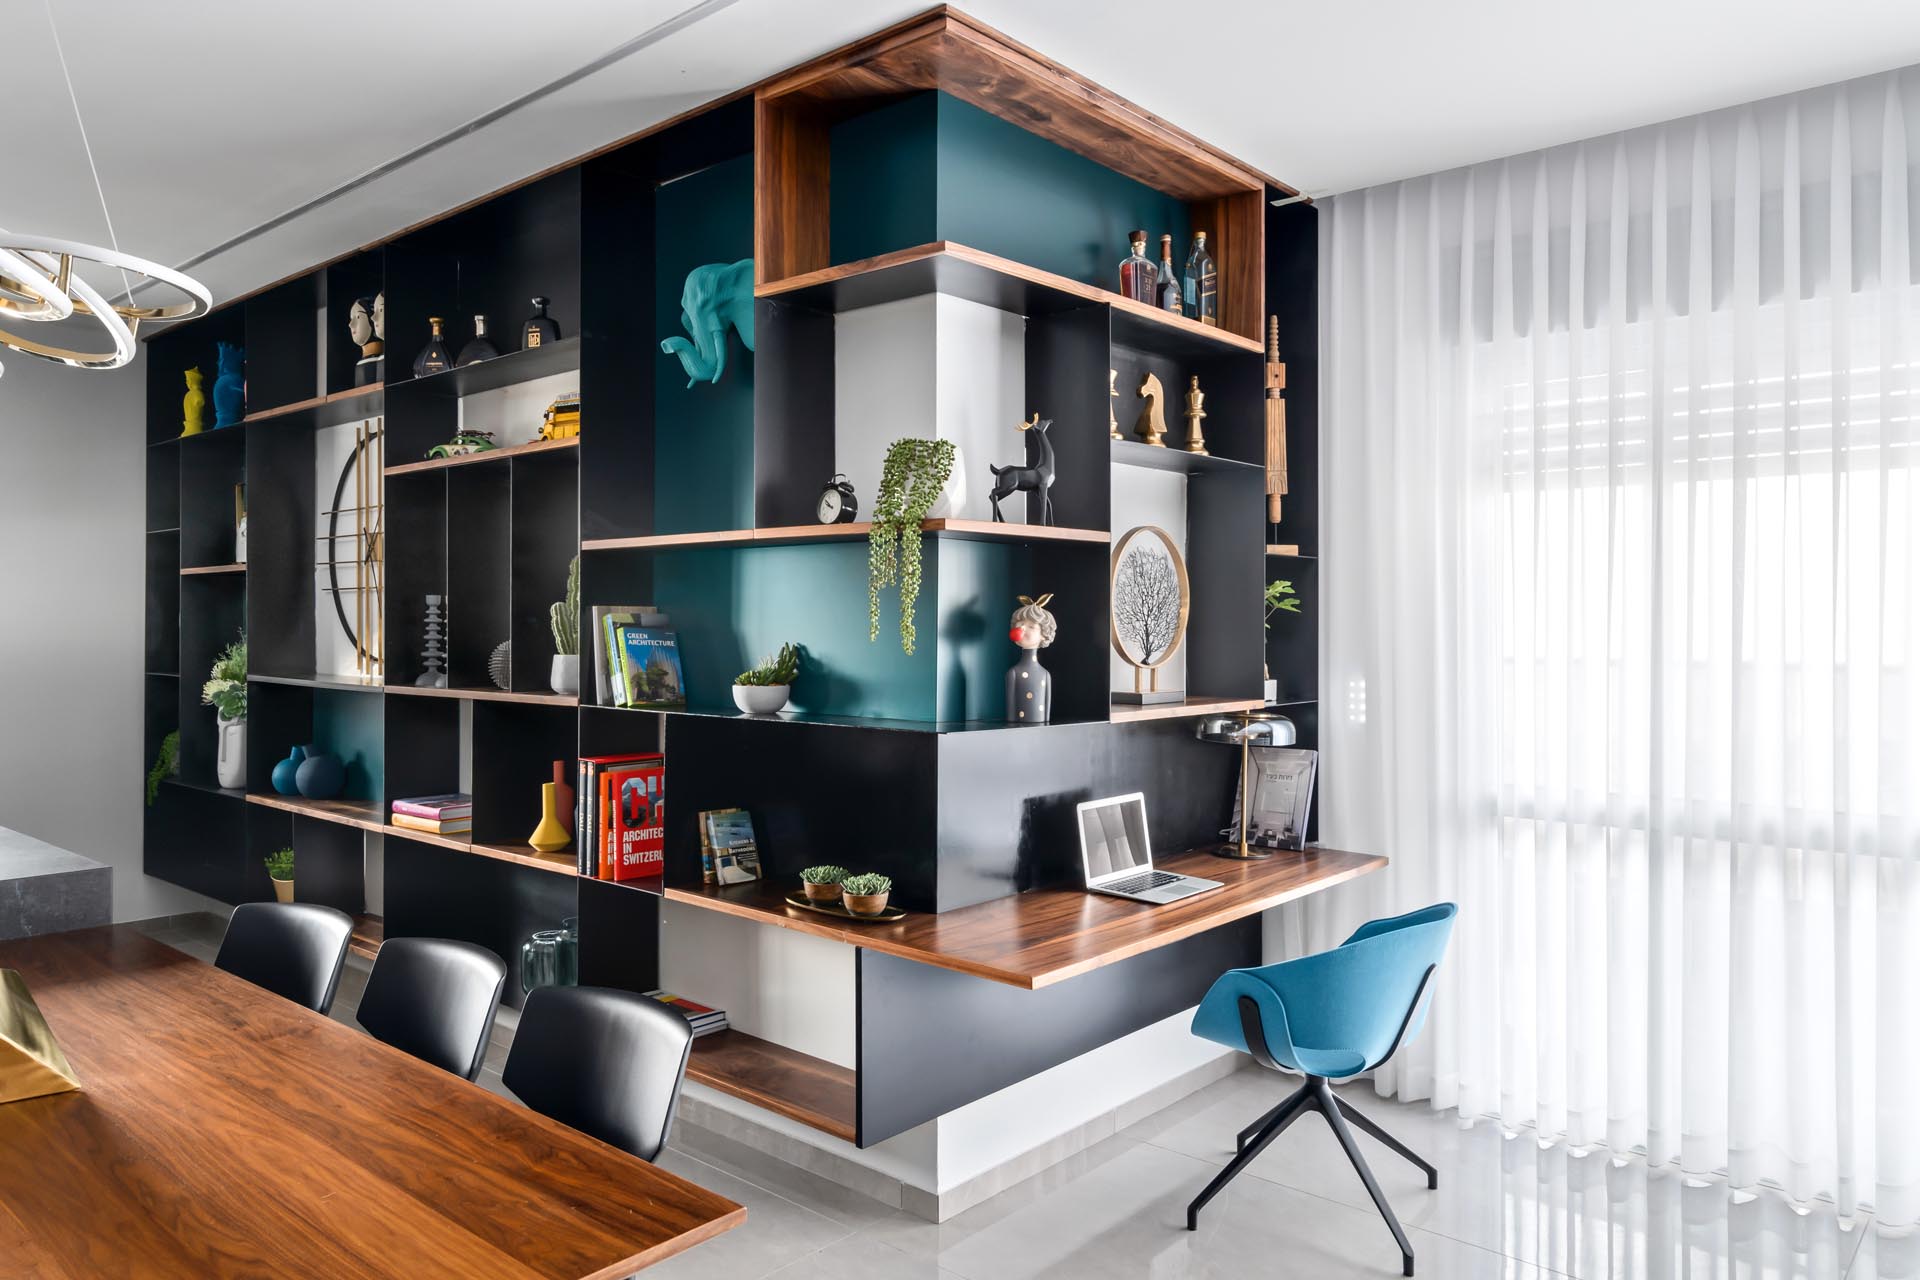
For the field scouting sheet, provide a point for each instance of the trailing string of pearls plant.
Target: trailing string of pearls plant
(911, 480)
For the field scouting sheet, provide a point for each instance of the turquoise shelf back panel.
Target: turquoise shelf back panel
(703, 434)
(731, 606)
(932, 167)
(352, 727)
(978, 585)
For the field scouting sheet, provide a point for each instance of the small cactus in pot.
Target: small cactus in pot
(865, 895)
(822, 884)
(565, 615)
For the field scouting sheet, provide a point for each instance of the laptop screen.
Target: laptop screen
(1113, 836)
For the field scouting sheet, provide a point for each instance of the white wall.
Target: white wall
(73, 501)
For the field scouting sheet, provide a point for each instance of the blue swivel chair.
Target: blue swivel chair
(1329, 1016)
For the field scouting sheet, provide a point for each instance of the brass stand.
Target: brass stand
(1244, 853)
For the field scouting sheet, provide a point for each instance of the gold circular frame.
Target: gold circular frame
(1186, 594)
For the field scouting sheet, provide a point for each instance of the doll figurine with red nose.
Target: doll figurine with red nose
(1029, 686)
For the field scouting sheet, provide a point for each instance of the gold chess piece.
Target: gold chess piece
(1196, 443)
(1113, 393)
(1151, 426)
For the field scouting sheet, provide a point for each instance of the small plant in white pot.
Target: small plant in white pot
(280, 871)
(865, 895)
(226, 692)
(822, 884)
(565, 677)
(767, 687)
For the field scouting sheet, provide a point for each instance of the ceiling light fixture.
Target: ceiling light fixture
(38, 282)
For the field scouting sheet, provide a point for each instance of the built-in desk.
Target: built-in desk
(1044, 936)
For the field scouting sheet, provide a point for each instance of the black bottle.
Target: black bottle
(478, 347)
(539, 330)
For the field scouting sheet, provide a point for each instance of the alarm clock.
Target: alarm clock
(837, 504)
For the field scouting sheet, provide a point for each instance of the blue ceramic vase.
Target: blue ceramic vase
(285, 774)
(320, 776)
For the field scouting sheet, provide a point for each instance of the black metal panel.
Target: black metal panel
(163, 486)
(329, 865)
(863, 798)
(282, 350)
(1293, 639)
(416, 521)
(1066, 362)
(439, 893)
(1231, 381)
(212, 616)
(163, 602)
(616, 382)
(792, 413)
(196, 839)
(422, 747)
(211, 464)
(514, 747)
(279, 718)
(619, 936)
(546, 537)
(1226, 564)
(280, 550)
(1007, 799)
(361, 276)
(479, 562)
(1293, 284)
(931, 1040)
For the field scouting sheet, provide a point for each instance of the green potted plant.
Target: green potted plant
(1281, 598)
(166, 764)
(822, 884)
(226, 692)
(767, 687)
(865, 895)
(280, 871)
(565, 614)
(914, 480)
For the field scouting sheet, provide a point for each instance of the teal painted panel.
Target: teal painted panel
(351, 726)
(731, 606)
(1015, 194)
(703, 434)
(884, 176)
(979, 583)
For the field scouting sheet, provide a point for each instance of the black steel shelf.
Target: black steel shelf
(505, 370)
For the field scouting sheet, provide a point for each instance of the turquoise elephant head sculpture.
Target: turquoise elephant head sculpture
(717, 296)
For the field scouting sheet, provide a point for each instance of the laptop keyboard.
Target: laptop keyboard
(1145, 880)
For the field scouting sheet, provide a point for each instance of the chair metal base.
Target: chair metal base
(1317, 1095)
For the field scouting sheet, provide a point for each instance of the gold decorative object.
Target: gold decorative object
(1151, 602)
(1276, 422)
(31, 1063)
(1152, 423)
(1113, 393)
(1196, 443)
(369, 549)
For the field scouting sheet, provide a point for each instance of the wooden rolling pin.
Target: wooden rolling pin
(1276, 422)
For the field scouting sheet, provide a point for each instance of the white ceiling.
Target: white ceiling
(206, 126)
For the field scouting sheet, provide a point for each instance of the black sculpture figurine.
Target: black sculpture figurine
(1029, 686)
(1037, 478)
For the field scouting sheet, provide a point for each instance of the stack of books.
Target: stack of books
(636, 660)
(620, 813)
(703, 1020)
(447, 815)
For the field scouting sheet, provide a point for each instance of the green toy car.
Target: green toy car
(464, 443)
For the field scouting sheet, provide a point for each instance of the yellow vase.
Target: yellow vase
(549, 836)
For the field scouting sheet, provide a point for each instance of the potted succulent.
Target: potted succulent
(565, 677)
(226, 692)
(280, 871)
(767, 687)
(822, 884)
(865, 895)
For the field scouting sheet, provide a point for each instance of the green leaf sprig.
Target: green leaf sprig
(911, 480)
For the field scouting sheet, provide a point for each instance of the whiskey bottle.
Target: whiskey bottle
(1169, 298)
(433, 357)
(1199, 284)
(539, 330)
(478, 347)
(1137, 276)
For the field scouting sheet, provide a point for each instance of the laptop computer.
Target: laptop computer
(1116, 856)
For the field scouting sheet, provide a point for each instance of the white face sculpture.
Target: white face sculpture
(380, 315)
(360, 323)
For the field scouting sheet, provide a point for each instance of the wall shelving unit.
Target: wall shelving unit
(700, 500)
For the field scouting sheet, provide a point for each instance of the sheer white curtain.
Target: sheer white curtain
(1619, 552)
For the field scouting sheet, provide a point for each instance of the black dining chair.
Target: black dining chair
(609, 1063)
(434, 998)
(293, 949)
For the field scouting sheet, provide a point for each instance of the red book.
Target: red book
(590, 809)
(636, 806)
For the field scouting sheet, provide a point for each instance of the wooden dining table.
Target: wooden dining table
(222, 1131)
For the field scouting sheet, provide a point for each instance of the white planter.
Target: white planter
(230, 764)
(565, 677)
(954, 497)
(761, 699)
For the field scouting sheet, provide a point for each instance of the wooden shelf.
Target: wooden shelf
(369, 932)
(488, 694)
(1132, 713)
(367, 815)
(561, 863)
(491, 455)
(1291, 550)
(1044, 936)
(785, 535)
(942, 266)
(1134, 453)
(815, 1092)
(505, 370)
(324, 411)
(352, 684)
(198, 569)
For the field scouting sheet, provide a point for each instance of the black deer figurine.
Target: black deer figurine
(1037, 478)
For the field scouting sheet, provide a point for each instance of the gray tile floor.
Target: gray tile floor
(1507, 1207)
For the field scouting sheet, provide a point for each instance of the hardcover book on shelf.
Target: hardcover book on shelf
(650, 676)
(587, 809)
(607, 619)
(635, 839)
(704, 1020)
(438, 808)
(729, 854)
(449, 827)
